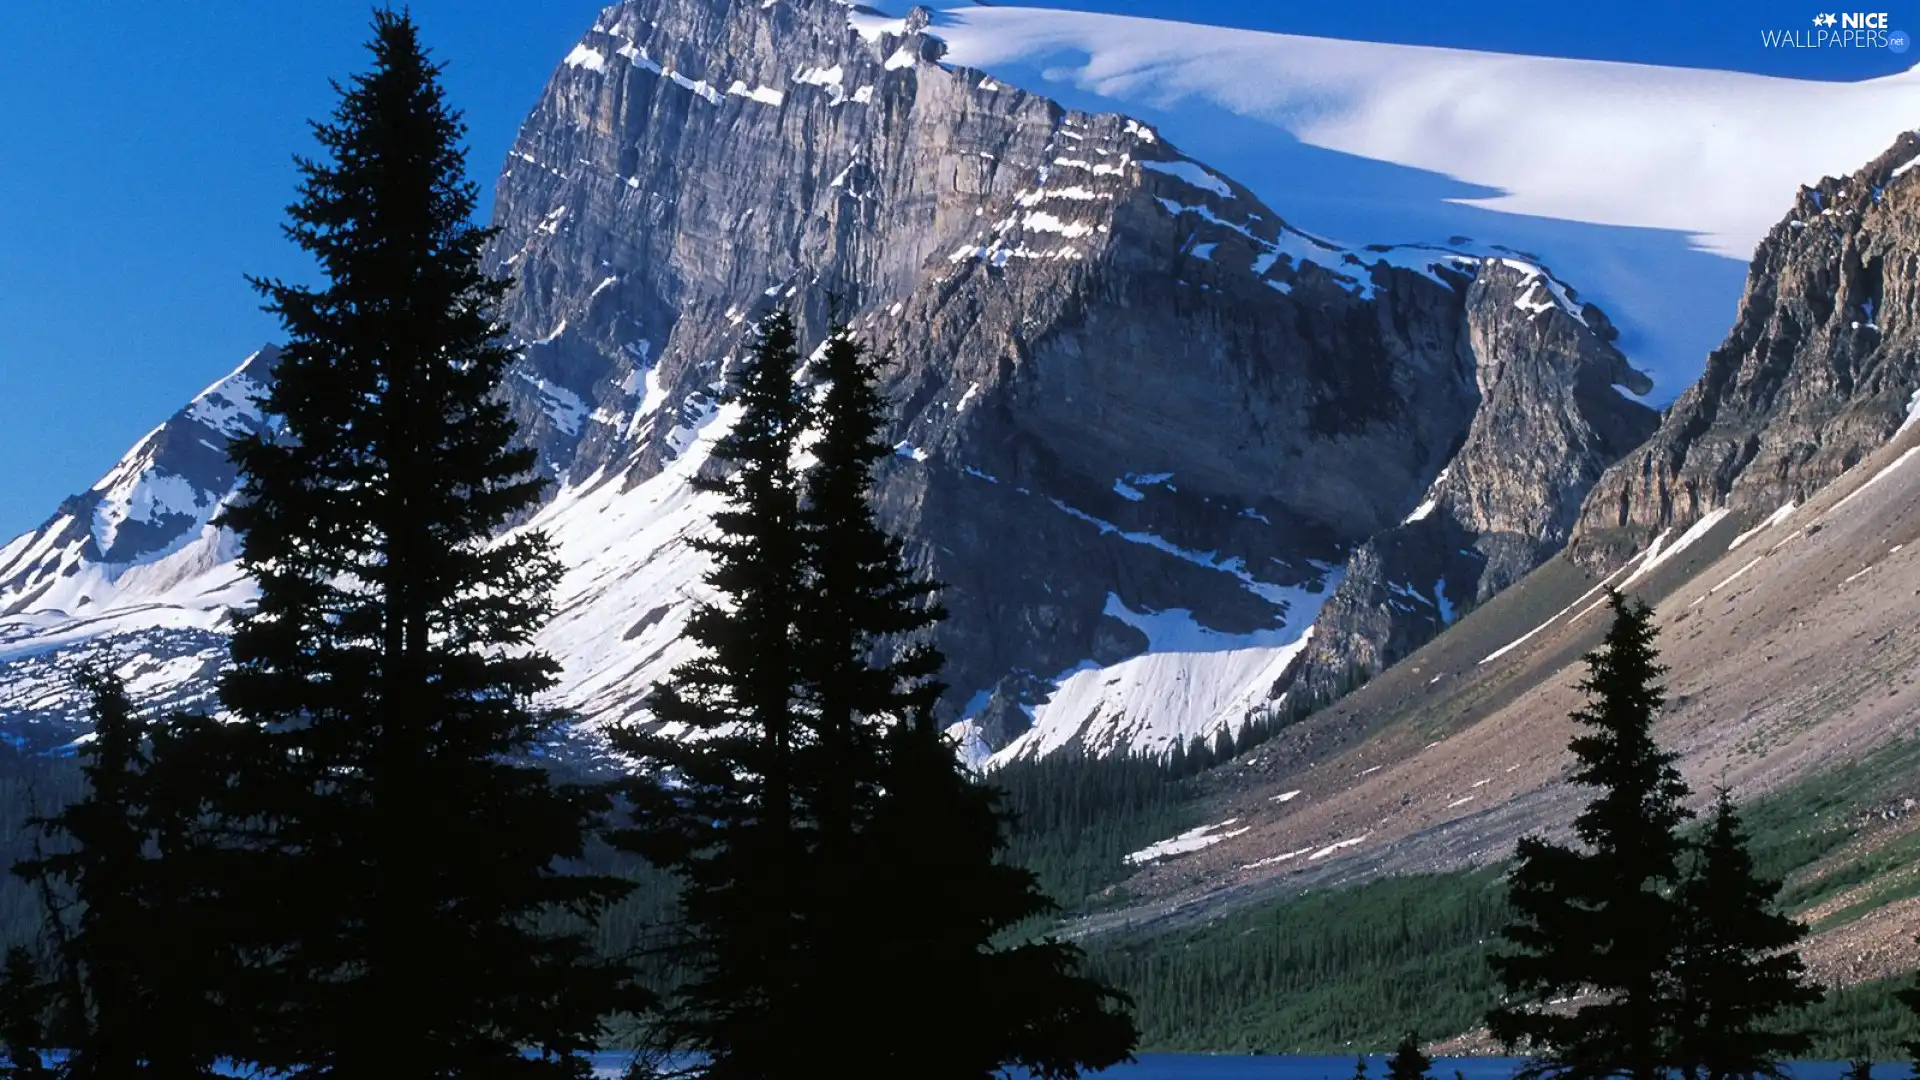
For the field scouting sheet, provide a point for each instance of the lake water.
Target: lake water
(1277, 1067)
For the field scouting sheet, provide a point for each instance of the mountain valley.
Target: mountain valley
(1185, 469)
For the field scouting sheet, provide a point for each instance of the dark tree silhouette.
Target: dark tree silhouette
(1910, 997)
(1736, 968)
(123, 1002)
(735, 836)
(862, 668)
(921, 892)
(1409, 1062)
(386, 665)
(1601, 921)
(26, 998)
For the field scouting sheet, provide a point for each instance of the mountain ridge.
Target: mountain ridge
(1139, 409)
(1786, 626)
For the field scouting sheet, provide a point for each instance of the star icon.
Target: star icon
(1819, 20)
(1830, 19)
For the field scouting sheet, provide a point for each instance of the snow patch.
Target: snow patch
(1658, 556)
(584, 57)
(1192, 840)
(1558, 615)
(1190, 172)
(1773, 519)
(1877, 477)
(872, 25)
(1338, 846)
(1275, 859)
(1913, 403)
(765, 95)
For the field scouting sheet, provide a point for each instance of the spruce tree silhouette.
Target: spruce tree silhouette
(125, 1005)
(864, 667)
(1602, 921)
(1736, 968)
(26, 998)
(922, 891)
(943, 897)
(1910, 997)
(735, 835)
(386, 665)
(1409, 1062)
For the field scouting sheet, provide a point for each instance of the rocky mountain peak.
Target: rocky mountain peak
(1819, 368)
(1174, 457)
(153, 505)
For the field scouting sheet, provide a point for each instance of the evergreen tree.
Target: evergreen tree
(953, 1002)
(1360, 1068)
(1602, 921)
(1737, 967)
(1409, 1062)
(1199, 756)
(409, 846)
(1858, 1069)
(1910, 997)
(1223, 748)
(25, 1000)
(736, 837)
(98, 873)
(131, 1010)
(860, 669)
(923, 890)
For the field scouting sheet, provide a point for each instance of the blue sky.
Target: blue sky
(148, 156)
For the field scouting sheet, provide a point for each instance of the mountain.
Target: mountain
(1773, 520)
(1817, 372)
(1181, 463)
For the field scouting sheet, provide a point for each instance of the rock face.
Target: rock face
(1173, 457)
(1819, 369)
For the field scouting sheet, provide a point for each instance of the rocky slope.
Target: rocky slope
(1818, 369)
(1779, 506)
(1175, 458)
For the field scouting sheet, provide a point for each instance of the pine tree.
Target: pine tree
(922, 890)
(26, 997)
(1223, 748)
(736, 837)
(1199, 756)
(1409, 1062)
(1736, 968)
(131, 1009)
(97, 870)
(1858, 1069)
(386, 663)
(1602, 921)
(1910, 997)
(1360, 1068)
(861, 670)
(943, 895)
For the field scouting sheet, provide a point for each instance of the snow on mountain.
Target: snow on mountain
(1268, 401)
(1190, 682)
(632, 577)
(1649, 185)
(142, 531)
